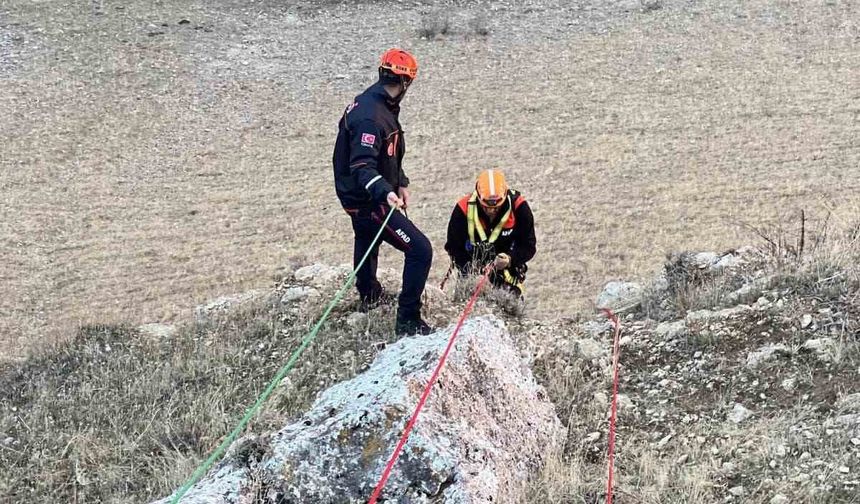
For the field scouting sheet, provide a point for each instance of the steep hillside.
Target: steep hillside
(738, 383)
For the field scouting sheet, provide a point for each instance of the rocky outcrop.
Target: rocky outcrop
(486, 427)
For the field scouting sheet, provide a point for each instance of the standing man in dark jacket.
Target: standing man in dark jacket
(369, 179)
(493, 223)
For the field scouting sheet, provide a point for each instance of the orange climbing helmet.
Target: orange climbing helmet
(399, 62)
(492, 188)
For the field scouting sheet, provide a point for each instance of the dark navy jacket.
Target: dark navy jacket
(369, 150)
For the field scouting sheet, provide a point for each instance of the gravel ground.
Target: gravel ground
(158, 154)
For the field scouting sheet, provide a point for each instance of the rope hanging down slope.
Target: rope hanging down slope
(403, 438)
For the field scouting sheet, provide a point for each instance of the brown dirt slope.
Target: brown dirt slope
(150, 163)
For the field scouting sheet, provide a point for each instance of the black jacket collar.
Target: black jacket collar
(378, 90)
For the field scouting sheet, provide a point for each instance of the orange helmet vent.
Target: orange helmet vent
(492, 188)
(399, 62)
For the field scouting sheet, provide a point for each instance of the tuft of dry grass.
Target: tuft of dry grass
(433, 23)
(479, 24)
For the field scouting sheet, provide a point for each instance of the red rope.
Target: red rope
(427, 389)
(616, 351)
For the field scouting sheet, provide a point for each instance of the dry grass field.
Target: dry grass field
(158, 154)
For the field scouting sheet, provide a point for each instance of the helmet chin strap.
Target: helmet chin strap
(403, 87)
(402, 82)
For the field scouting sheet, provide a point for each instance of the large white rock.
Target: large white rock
(486, 426)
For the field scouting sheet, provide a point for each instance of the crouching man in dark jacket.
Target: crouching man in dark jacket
(369, 179)
(493, 224)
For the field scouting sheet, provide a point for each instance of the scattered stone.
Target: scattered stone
(739, 413)
(590, 349)
(299, 293)
(778, 499)
(805, 321)
(749, 291)
(737, 491)
(597, 328)
(682, 459)
(823, 348)
(671, 330)
(726, 261)
(357, 320)
(593, 437)
(765, 354)
(707, 316)
(789, 384)
(225, 303)
(704, 260)
(620, 296)
(321, 274)
(844, 469)
(849, 402)
(780, 450)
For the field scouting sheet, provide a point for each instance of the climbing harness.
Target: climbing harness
(474, 222)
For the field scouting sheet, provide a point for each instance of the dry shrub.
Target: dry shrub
(433, 23)
(480, 25)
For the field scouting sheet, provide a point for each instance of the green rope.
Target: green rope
(281, 373)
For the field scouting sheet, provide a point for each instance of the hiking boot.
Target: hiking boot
(411, 327)
(369, 303)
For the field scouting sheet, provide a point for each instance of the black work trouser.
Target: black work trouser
(401, 234)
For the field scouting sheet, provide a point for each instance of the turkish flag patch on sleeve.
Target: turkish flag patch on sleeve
(368, 140)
